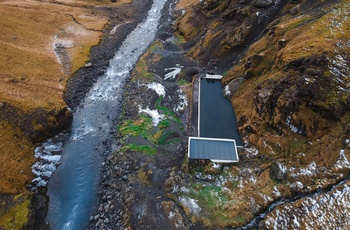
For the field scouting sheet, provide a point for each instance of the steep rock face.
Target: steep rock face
(37, 124)
(286, 72)
(223, 28)
(315, 212)
(296, 83)
(291, 86)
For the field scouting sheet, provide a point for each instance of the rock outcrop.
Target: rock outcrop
(286, 68)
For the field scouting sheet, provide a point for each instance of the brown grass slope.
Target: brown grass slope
(293, 81)
(296, 85)
(42, 43)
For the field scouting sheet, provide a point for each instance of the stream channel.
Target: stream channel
(72, 188)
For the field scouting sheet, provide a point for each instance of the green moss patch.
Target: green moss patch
(151, 135)
(16, 215)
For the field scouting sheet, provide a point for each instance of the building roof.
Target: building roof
(214, 149)
(214, 76)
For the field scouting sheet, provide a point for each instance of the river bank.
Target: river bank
(42, 44)
(122, 20)
(72, 187)
(147, 184)
(132, 193)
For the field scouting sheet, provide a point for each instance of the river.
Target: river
(72, 188)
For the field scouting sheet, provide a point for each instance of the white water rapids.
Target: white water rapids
(72, 188)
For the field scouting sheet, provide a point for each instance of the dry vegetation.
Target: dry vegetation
(33, 74)
(290, 39)
(292, 104)
(183, 4)
(15, 168)
(30, 70)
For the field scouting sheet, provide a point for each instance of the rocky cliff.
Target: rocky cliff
(286, 72)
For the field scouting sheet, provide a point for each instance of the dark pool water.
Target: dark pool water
(217, 116)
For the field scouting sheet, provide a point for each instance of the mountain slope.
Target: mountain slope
(286, 73)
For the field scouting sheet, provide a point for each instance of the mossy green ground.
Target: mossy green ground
(14, 214)
(145, 137)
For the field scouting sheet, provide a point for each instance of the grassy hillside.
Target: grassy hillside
(42, 44)
(296, 85)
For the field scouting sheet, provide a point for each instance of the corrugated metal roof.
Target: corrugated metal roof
(214, 149)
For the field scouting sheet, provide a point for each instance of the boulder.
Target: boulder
(278, 172)
(263, 3)
(232, 87)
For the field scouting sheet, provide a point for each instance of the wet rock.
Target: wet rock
(296, 187)
(125, 178)
(311, 72)
(89, 64)
(233, 86)
(263, 3)
(96, 217)
(281, 44)
(295, 10)
(278, 172)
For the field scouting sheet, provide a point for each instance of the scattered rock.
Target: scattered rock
(295, 10)
(278, 172)
(97, 217)
(89, 64)
(263, 3)
(296, 187)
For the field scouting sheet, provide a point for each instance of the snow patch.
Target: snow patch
(174, 72)
(190, 204)
(157, 87)
(183, 103)
(227, 91)
(112, 32)
(156, 117)
(215, 165)
(62, 43)
(309, 171)
(276, 192)
(266, 198)
(185, 190)
(292, 127)
(321, 211)
(342, 161)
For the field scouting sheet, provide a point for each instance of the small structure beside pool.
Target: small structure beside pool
(214, 149)
(215, 136)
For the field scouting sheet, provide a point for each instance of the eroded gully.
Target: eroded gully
(73, 186)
